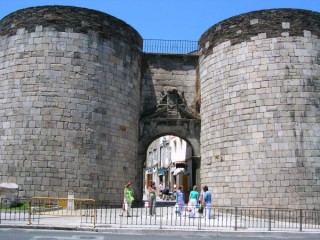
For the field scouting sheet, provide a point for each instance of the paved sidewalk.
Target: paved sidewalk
(166, 220)
(73, 225)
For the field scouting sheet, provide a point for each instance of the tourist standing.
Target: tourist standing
(152, 198)
(180, 200)
(193, 201)
(207, 201)
(127, 199)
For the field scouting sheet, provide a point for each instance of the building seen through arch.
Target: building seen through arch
(170, 162)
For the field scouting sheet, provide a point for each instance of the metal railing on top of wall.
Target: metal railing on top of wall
(170, 46)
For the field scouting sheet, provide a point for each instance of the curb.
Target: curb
(171, 232)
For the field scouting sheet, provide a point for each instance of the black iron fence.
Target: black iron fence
(170, 46)
(236, 218)
(14, 209)
(169, 216)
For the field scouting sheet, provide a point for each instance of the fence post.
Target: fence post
(269, 225)
(161, 214)
(0, 208)
(121, 219)
(300, 220)
(30, 211)
(39, 211)
(236, 219)
(95, 214)
(199, 222)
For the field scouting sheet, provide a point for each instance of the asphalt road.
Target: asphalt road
(37, 234)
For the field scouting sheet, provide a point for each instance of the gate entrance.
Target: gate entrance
(169, 164)
(171, 117)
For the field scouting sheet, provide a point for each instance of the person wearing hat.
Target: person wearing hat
(127, 199)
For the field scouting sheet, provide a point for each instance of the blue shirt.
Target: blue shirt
(194, 195)
(207, 197)
(179, 197)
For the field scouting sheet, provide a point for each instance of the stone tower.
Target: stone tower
(74, 85)
(260, 118)
(70, 99)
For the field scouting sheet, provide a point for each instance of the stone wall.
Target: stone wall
(74, 84)
(260, 113)
(161, 71)
(70, 101)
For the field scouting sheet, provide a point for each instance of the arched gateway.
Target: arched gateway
(171, 117)
(80, 102)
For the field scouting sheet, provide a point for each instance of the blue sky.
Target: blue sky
(167, 19)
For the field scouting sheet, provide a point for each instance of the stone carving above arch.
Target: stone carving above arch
(171, 117)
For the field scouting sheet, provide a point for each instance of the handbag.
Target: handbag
(200, 209)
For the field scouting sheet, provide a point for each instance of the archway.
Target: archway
(172, 117)
(170, 163)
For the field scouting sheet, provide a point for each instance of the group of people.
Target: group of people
(198, 202)
(128, 198)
